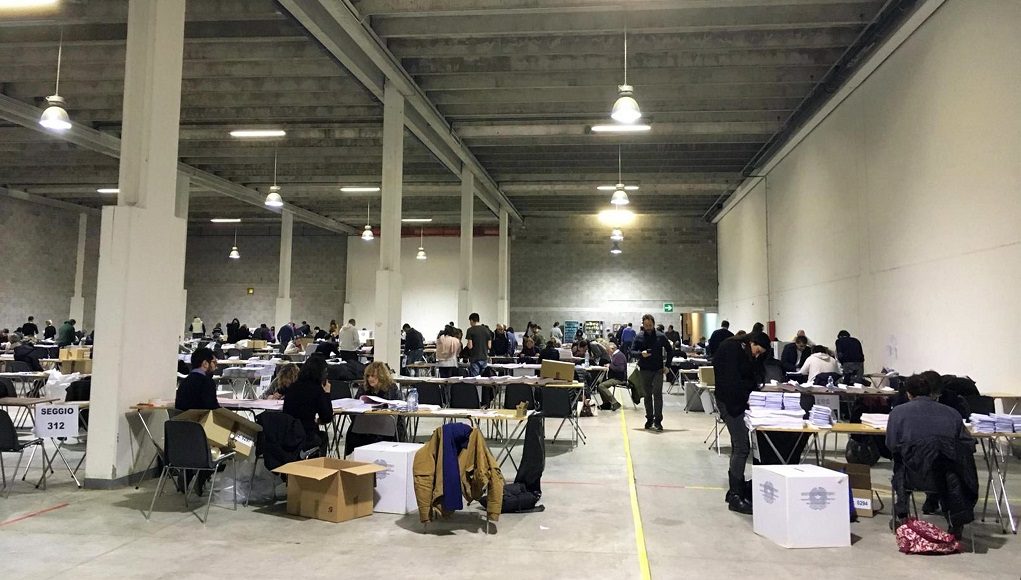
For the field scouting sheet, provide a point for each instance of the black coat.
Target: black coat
(944, 465)
(849, 350)
(27, 354)
(49, 332)
(196, 391)
(303, 400)
(281, 440)
(716, 339)
(735, 377)
(790, 360)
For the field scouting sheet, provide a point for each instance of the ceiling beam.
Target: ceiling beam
(25, 196)
(474, 7)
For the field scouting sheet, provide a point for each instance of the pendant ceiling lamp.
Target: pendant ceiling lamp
(367, 234)
(421, 246)
(55, 116)
(234, 253)
(625, 108)
(619, 197)
(274, 199)
(615, 249)
(616, 235)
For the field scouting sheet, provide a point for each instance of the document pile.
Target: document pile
(995, 423)
(761, 417)
(877, 420)
(982, 423)
(821, 416)
(760, 400)
(792, 401)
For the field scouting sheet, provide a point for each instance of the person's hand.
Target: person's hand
(665, 371)
(646, 354)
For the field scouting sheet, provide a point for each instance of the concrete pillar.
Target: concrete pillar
(387, 331)
(283, 310)
(181, 212)
(503, 271)
(142, 249)
(78, 300)
(464, 296)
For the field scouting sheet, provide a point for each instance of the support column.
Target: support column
(464, 297)
(283, 310)
(142, 249)
(503, 271)
(181, 211)
(78, 300)
(387, 331)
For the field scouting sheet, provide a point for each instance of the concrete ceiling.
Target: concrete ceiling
(520, 81)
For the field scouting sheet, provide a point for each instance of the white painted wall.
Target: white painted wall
(430, 287)
(744, 284)
(898, 217)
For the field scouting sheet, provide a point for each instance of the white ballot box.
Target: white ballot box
(395, 486)
(801, 506)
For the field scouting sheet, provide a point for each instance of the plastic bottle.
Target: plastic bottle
(829, 383)
(586, 359)
(412, 399)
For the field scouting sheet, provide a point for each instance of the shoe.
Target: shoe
(931, 505)
(648, 424)
(898, 521)
(615, 406)
(658, 427)
(604, 407)
(957, 532)
(740, 505)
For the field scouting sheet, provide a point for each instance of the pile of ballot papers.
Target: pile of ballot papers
(761, 400)
(792, 401)
(982, 423)
(995, 423)
(821, 416)
(778, 418)
(877, 420)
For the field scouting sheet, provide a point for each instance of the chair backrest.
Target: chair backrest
(18, 366)
(556, 402)
(981, 404)
(7, 388)
(8, 434)
(340, 390)
(186, 446)
(822, 378)
(515, 394)
(706, 375)
(79, 390)
(464, 396)
(430, 394)
(774, 372)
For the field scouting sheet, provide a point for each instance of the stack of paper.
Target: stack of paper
(761, 400)
(982, 423)
(821, 416)
(761, 417)
(792, 401)
(877, 420)
(1007, 423)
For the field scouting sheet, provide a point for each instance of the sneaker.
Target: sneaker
(658, 427)
(648, 424)
(615, 406)
(604, 407)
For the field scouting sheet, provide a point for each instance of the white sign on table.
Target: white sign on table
(56, 420)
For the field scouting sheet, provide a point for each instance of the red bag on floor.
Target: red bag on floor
(916, 536)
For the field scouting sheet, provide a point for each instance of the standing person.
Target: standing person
(557, 333)
(627, 338)
(414, 344)
(448, 349)
(348, 342)
(65, 334)
(717, 337)
(334, 330)
(232, 331)
(309, 397)
(654, 355)
(617, 375)
(850, 355)
(672, 335)
(512, 341)
(734, 366)
(29, 329)
(480, 340)
(50, 331)
(500, 341)
(304, 329)
(198, 328)
(287, 333)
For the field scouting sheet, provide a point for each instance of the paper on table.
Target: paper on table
(381, 400)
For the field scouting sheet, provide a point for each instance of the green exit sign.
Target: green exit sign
(668, 307)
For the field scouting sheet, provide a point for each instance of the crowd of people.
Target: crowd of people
(25, 342)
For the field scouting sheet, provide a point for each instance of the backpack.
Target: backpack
(864, 450)
(517, 498)
(916, 536)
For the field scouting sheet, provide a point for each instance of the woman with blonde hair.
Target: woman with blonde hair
(369, 429)
(286, 376)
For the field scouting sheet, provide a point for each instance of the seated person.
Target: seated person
(319, 334)
(326, 349)
(528, 350)
(795, 354)
(244, 333)
(819, 362)
(932, 452)
(308, 397)
(25, 352)
(293, 347)
(617, 375)
(197, 390)
(369, 429)
(286, 376)
(550, 352)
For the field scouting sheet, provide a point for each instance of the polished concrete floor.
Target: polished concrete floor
(586, 531)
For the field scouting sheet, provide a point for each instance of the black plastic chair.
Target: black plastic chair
(430, 394)
(185, 449)
(560, 403)
(18, 366)
(464, 396)
(981, 404)
(340, 390)
(7, 388)
(10, 442)
(513, 395)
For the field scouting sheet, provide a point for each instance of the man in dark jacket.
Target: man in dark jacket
(914, 433)
(795, 354)
(286, 334)
(736, 377)
(850, 355)
(414, 343)
(654, 354)
(29, 329)
(197, 390)
(65, 334)
(717, 337)
(25, 352)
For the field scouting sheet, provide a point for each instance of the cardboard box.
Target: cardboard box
(76, 366)
(801, 506)
(258, 344)
(225, 428)
(330, 489)
(707, 376)
(304, 341)
(74, 353)
(395, 485)
(859, 477)
(557, 370)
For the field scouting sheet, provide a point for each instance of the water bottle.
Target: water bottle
(829, 384)
(586, 359)
(412, 399)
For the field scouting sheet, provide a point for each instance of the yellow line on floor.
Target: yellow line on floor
(636, 514)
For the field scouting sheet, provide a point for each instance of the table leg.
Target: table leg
(1000, 463)
(505, 452)
(159, 452)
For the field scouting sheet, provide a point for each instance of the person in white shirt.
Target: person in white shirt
(819, 362)
(448, 348)
(348, 342)
(557, 333)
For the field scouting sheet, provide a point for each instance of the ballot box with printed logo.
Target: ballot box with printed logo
(395, 486)
(801, 506)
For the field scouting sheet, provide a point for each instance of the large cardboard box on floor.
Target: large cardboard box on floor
(330, 489)
(395, 485)
(225, 428)
(801, 506)
(74, 353)
(557, 370)
(859, 477)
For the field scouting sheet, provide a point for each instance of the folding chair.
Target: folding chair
(187, 449)
(10, 442)
(560, 403)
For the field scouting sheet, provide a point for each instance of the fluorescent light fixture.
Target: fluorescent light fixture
(618, 186)
(617, 218)
(621, 128)
(257, 133)
(359, 189)
(108, 190)
(226, 220)
(16, 4)
(416, 220)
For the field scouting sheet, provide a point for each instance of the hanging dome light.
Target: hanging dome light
(625, 108)
(55, 116)
(421, 254)
(615, 249)
(616, 235)
(421, 246)
(274, 199)
(620, 197)
(367, 234)
(234, 253)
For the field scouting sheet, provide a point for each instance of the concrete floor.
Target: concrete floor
(586, 531)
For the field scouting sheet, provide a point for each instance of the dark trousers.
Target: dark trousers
(447, 372)
(653, 381)
(956, 504)
(740, 447)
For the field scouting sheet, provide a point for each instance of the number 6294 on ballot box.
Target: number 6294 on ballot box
(56, 420)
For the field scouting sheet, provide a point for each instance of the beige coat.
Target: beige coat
(479, 476)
